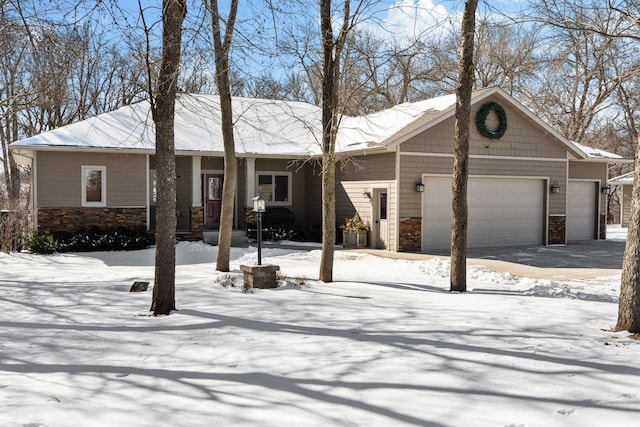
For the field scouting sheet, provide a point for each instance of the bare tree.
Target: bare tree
(222, 45)
(332, 48)
(173, 13)
(461, 151)
(569, 14)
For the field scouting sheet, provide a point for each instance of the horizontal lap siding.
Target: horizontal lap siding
(367, 172)
(412, 167)
(59, 178)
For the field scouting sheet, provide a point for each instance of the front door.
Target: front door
(380, 215)
(212, 199)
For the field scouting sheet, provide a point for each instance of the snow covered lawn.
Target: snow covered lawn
(385, 345)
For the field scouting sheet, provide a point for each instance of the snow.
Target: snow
(261, 126)
(384, 345)
(596, 153)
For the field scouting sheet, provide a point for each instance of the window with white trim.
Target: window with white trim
(94, 186)
(275, 187)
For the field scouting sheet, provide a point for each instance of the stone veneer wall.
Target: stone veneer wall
(557, 230)
(196, 227)
(74, 219)
(603, 226)
(410, 234)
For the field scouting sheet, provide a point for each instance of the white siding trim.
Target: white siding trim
(250, 176)
(148, 192)
(397, 203)
(196, 181)
(103, 187)
(34, 190)
(484, 156)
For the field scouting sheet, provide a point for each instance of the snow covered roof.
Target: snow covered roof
(597, 154)
(267, 127)
(626, 179)
(262, 127)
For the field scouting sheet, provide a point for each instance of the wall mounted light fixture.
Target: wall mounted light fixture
(605, 188)
(366, 193)
(419, 187)
(555, 188)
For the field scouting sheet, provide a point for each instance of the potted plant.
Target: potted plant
(354, 233)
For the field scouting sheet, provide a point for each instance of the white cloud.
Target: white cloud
(419, 18)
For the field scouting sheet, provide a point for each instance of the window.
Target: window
(94, 186)
(275, 187)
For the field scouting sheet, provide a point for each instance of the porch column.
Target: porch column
(251, 181)
(196, 181)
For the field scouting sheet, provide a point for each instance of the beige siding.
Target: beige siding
(349, 200)
(368, 168)
(523, 138)
(212, 163)
(313, 195)
(626, 204)
(412, 167)
(183, 181)
(59, 178)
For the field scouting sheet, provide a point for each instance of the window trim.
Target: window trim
(273, 174)
(103, 187)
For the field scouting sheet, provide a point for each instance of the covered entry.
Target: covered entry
(502, 212)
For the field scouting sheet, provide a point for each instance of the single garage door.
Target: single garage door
(581, 211)
(502, 212)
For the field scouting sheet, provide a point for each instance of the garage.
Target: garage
(502, 212)
(581, 210)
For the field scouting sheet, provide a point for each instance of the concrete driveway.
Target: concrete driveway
(575, 261)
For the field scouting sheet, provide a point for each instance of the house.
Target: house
(528, 185)
(624, 181)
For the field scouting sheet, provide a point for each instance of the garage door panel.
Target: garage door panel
(502, 212)
(581, 210)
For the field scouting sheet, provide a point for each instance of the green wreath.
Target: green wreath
(481, 120)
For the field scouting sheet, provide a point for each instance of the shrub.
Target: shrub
(111, 239)
(41, 243)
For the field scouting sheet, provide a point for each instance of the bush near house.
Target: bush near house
(92, 239)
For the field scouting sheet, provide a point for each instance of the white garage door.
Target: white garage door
(581, 210)
(502, 212)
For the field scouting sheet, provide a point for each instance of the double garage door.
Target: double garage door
(502, 212)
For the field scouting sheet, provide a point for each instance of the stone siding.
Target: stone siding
(557, 230)
(603, 226)
(196, 226)
(410, 234)
(74, 219)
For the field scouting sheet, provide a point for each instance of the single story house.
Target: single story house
(624, 181)
(528, 184)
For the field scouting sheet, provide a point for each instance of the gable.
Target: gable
(523, 136)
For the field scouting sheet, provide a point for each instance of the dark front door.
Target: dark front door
(212, 199)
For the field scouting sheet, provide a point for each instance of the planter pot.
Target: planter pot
(355, 239)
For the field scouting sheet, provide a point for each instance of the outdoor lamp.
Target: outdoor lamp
(419, 187)
(555, 188)
(259, 209)
(259, 204)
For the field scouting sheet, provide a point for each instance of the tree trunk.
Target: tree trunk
(629, 304)
(221, 53)
(330, 73)
(461, 152)
(173, 12)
